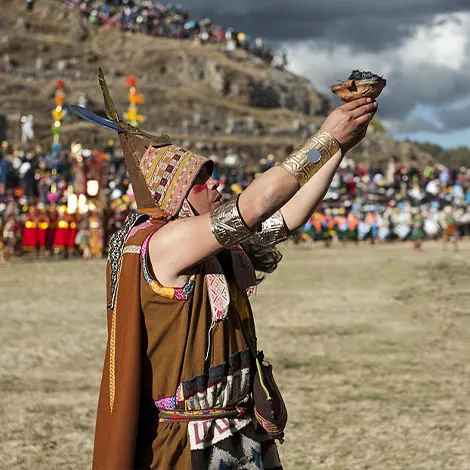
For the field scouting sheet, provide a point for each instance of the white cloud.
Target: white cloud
(443, 43)
(430, 67)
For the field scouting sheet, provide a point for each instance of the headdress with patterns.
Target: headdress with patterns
(161, 175)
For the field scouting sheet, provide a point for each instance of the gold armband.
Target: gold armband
(227, 225)
(307, 159)
(272, 231)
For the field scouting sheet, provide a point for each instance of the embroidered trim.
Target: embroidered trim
(112, 361)
(167, 403)
(136, 228)
(219, 295)
(176, 293)
(168, 416)
(221, 386)
(204, 434)
(116, 244)
(169, 173)
(112, 353)
(131, 249)
(236, 363)
(115, 255)
(270, 427)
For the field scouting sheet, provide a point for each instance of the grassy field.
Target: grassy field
(371, 347)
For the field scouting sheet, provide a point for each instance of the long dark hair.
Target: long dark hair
(264, 258)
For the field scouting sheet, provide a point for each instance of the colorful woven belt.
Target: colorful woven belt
(168, 416)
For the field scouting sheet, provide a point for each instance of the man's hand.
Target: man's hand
(348, 123)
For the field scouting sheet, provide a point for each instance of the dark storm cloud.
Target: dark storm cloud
(433, 86)
(369, 23)
(364, 33)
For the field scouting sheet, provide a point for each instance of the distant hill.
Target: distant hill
(452, 156)
(196, 94)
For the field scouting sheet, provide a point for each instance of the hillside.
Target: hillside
(196, 94)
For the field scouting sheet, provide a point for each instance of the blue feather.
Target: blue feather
(92, 117)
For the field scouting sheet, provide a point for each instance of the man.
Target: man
(177, 387)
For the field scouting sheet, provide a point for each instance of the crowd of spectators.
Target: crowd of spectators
(83, 187)
(172, 21)
(384, 201)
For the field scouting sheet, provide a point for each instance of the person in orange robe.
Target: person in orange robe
(341, 225)
(353, 222)
(371, 221)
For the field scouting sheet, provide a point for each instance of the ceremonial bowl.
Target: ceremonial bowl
(351, 90)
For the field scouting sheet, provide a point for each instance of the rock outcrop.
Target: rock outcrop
(193, 92)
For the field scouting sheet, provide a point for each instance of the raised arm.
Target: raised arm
(299, 208)
(183, 243)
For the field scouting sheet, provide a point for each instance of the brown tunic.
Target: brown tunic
(174, 337)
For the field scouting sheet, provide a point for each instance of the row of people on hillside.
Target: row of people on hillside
(172, 21)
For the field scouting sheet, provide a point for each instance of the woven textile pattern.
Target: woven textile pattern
(169, 173)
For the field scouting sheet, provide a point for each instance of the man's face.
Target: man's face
(203, 195)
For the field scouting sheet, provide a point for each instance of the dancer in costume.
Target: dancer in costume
(450, 229)
(61, 233)
(96, 236)
(328, 228)
(371, 222)
(417, 230)
(341, 223)
(317, 226)
(183, 386)
(51, 228)
(83, 237)
(43, 225)
(30, 239)
(353, 222)
(12, 232)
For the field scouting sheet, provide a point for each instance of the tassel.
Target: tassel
(209, 338)
(90, 116)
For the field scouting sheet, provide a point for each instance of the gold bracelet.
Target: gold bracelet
(307, 159)
(272, 231)
(227, 225)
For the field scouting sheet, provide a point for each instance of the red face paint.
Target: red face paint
(198, 188)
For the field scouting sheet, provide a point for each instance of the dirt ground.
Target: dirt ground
(370, 346)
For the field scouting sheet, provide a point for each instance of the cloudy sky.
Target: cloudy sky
(422, 47)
